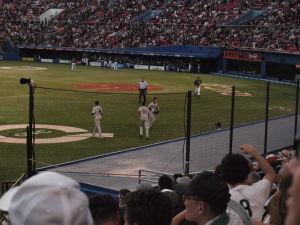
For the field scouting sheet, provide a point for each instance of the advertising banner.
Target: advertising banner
(161, 68)
(141, 67)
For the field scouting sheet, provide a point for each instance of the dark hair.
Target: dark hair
(154, 98)
(165, 182)
(234, 168)
(103, 208)
(148, 207)
(124, 192)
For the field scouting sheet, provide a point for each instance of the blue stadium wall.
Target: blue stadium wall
(262, 64)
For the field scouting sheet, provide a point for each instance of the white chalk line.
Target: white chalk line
(62, 139)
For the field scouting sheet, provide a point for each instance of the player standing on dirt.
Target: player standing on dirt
(142, 90)
(197, 84)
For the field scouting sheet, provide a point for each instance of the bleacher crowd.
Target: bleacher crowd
(109, 24)
(240, 190)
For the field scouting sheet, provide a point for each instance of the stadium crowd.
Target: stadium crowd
(108, 24)
(238, 191)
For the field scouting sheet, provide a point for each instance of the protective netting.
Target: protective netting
(119, 125)
(120, 128)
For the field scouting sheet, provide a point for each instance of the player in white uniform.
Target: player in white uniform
(197, 84)
(97, 112)
(154, 109)
(144, 114)
(235, 170)
(73, 65)
(115, 65)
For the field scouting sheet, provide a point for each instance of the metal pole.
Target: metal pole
(232, 119)
(29, 134)
(296, 113)
(188, 133)
(267, 118)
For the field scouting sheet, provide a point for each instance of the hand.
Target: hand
(248, 149)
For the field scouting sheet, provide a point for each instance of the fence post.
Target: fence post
(188, 133)
(232, 119)
(29, 128)
(296, 113)
(267, 118)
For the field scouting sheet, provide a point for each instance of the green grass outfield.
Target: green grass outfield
(120, 110)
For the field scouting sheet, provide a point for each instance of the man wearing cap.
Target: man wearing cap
(97, 112)
(205, 199)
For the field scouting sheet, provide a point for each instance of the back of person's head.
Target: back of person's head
(104, 209)
(165, 182)
(235, 168)
(148, 207)
(48, 198)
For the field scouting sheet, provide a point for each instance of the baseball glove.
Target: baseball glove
(156, 111)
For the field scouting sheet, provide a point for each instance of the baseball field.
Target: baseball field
(64, 99)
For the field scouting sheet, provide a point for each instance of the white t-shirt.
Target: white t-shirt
(256, 195)
(97, 110)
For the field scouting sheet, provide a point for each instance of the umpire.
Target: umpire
(142, 90)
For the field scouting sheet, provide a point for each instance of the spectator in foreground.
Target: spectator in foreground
(205, 199)
(235, 170)
(105, 210)
(147, 207)
(47, 198)
(293, 216)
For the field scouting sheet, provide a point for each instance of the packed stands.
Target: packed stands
(107, 24)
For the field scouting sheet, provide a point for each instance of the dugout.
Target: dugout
(263, 64)
(185, 58)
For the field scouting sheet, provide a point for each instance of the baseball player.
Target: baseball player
(142, 89)
(97, 112)
(154, 109)
(197, 84)
(144, 112)
(73, 65)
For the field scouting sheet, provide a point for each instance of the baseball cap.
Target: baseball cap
(47, 198)
(285, 153)
(97, 102)
(206, 186)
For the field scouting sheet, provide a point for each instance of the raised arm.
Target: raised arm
(263, 164)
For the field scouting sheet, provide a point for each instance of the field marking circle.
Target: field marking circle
(62, 139)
